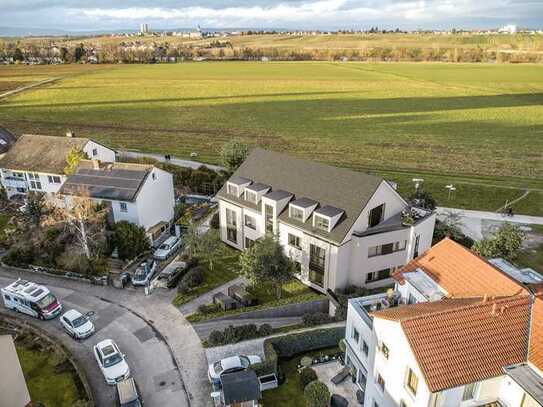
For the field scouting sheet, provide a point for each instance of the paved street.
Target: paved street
(149, 330)
(174, 160)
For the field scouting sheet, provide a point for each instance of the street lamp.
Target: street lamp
(451, 189)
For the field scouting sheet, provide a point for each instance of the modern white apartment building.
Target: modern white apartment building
(457, 331)
(36, 163)
(341, 227)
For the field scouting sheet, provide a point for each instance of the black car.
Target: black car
(172, 275)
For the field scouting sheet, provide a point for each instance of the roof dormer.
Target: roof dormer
(254, 192)
(236, 185)
(301, 209)
(327, 217)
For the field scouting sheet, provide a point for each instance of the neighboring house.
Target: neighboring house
(13, 389)
(36, 163)
(341, 227)
(457, 331)
(239, 389)
(138, 193)
(7, 139)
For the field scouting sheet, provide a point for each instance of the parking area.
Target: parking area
(150, 360)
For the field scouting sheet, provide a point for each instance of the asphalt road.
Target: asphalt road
(148, 356)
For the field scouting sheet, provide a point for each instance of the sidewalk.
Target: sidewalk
(174, 160)
(207, 298)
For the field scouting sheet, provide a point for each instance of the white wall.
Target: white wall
(155, 201)
(131, 215)
(103, 153)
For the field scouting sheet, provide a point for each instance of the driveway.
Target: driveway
(164, 353)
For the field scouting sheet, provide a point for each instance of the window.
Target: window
(249, 243)
(296, 213)
(355, 335)
(528, 401)
(384, 350)
(250, 196)
(376, 215)
(412, 382)
(268, 218)
(231, 226)
(153, 176)
(297, 267)
(18, 174)
(380, 382)
(378, 275)
(386, 248)
(94, 152)
(416, 250)
(398, 246)
(123, 206)
(365, 348)
(53, 179)
(469, 391)
(375, 404)
(232, 189)
(294, 241)
(34, 180)
(317, 261)
(411, 299)
(250, 222)
(322, 223)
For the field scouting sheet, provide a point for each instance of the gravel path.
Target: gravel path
(207, 298)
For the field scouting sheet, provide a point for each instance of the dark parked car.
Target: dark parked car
(173, 273)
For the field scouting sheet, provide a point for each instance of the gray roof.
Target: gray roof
(239, 180)
(240, 386)
(304, 202)
(278, 195)
(329, 211)
(115, 181)
(7, 139)
(528, 379)
(46, 154)
(257, 187)
(328, 185)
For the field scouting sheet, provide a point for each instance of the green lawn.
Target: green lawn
(292, 292)
(477, 126)
(290, 393)
(532, 258)
(44, 383)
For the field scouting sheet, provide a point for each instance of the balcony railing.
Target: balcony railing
(371, 303)
(15, 182)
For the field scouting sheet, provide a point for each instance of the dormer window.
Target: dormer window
(321, 222)
(251, 196)
(232, 189)
(296, 213)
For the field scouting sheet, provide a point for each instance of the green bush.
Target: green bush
(265, 330)
(216, 338)
(214, 222)
(208, 308)
(317, 394)
(307, 375)
(192, 279)
(129, 239)
(20, 255)
(233, 334)
(318, 318)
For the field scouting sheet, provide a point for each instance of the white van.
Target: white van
(31, 299)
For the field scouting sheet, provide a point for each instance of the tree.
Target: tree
(504, 243)
(18, 55)
(35, 208)
(79, 52)
(233, 153)
(74, 156)
(129, 239)
(317, 394)
(451, 226)
(266, 262)
(423, 199)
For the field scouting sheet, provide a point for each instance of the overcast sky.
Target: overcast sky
(325, 14)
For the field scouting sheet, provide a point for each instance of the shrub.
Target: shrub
(318, 318)
(20, 255)
(208, 308)
(129, 239)
(192, 279)
(216, 338)
(214, 222)
(317, 394)
(307, 375)
(265, 330)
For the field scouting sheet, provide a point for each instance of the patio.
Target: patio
(346, 389)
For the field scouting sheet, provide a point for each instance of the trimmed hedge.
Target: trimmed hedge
(234, 334)
(307, 375)
(317, 318)
(288, 346)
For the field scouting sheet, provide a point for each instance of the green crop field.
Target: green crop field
(479, 126)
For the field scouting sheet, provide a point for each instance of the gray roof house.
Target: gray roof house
(318, 213)
(13, 389)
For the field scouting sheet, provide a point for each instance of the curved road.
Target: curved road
(122, 315)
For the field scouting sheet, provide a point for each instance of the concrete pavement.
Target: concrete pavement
(174, 160)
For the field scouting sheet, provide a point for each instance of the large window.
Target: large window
(123, 207)
(355, 335)
(376, 215)
(53, 179)
(365, 348)
(412, 381)
(250, 222)
(378, 275)
(322, 223)
(268, 216)
(231, 226)
(250, 196)
(469, 391)
(232, 189)
(387, 248)
(34, 180)
(296, 213)
(317, 261)
(294, 241)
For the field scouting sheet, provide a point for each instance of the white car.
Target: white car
(76, 324)
(230, 365)
(111, 361)
(167, 248)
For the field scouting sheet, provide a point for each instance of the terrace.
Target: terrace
(371, 303)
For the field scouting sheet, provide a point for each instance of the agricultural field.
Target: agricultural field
(478, 126)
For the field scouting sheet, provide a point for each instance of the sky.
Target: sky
(73, 15)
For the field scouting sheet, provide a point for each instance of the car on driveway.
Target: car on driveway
(230, 365)
(172, 273)
(144, 273)
(76, 324)
(111, 361)
(128, 394)
(168, 248)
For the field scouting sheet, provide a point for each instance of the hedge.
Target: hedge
(288, 346)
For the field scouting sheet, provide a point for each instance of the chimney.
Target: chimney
(493, 313)
(485, 298)
(95, 164)
(70, 133)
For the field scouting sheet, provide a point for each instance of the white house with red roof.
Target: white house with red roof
(456, 331)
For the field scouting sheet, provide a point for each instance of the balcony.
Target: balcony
(15, 182)
(371, 303)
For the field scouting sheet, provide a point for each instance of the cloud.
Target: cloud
(104, 14)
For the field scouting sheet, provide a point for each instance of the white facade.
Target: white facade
(356, 261)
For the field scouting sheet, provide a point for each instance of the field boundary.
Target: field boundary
(31, 86)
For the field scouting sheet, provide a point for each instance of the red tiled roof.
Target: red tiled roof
(461, 272)
(463, 341)
(535, 355)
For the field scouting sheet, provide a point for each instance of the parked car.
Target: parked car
(171, 274)
(167, 248)
(230, 365)
(128, 394)
(144, 273)
(76, 324)
(111, 361)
